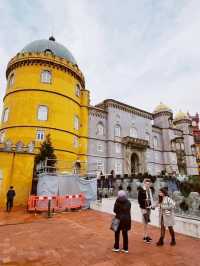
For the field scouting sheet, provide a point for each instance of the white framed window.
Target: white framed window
(133, 132)
(76, 122)
(76, 142)
(2, 136)
(182, 146)
(5, 115)
(117, 131)
(42, 113)
(40, 135)
(100, 129)
(155, 142)
(100, 166)
(78, 90)
(46, 76)
(99, 147)
(11, 80)
(118, 147)
(178, 146)
(194, 124)
(118, 167)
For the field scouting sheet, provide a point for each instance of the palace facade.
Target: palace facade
(129, 141)
(46, 94)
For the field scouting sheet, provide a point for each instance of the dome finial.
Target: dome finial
(51, 38)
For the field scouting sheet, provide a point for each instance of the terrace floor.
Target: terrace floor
(83, 238)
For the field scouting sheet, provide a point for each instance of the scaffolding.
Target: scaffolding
(67, 167)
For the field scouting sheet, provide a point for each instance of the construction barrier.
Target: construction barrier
(57, 203)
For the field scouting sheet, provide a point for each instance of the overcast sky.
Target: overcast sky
(139, 52)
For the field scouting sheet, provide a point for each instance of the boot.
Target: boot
(173, 242)
(160, 242)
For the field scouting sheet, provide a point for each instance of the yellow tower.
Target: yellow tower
(46, 94)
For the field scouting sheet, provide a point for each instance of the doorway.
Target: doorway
(134, 164)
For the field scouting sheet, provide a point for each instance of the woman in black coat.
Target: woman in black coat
(122, 208)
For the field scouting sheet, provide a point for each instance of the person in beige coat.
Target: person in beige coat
(166, 216)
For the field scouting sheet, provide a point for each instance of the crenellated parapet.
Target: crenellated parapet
(18, 147)
(45, 59)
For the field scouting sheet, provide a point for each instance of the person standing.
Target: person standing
(146, 203)
(122, 209)
(10, 198)
(166, 216)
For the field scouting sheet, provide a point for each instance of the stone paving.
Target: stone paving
(83, 238)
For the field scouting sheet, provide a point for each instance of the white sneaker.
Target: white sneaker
(123, 250)
(116, 249)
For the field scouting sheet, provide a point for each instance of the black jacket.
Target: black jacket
(142, 197)
(11, 194)
(122, 208)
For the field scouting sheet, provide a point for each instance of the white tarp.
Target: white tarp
(67, 185)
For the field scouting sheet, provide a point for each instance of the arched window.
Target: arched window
(194, 124)
(99, 147)
(11, 80)
(48, 52)
(133, 132)
(118, 167)
(76, 142)
(118, 147)
(78, 90)
(100, 166)
(100, 129)
(76, 122)
(155, 142)
(42, 114)
(2, 136)
(40, 135)
(5, 115)
(117, 131)
(46, 76)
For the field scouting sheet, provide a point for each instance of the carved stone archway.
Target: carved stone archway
(135, 164)
(134, 155)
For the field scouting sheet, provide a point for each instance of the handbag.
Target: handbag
(114, 224)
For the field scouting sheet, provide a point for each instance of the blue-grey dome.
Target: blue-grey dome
(50, 45)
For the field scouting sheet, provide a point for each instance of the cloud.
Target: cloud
(138, 52)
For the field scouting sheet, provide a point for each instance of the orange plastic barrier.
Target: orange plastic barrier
(58, 203)
(71, 201)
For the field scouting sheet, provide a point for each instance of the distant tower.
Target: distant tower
(163, 119)
(184, 123)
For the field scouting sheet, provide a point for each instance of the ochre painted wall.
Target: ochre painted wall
(28, 92)
(17, 170)
(23, 98)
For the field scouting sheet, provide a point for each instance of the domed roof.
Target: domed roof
(162, 108)
(50, 45)
(181, 116)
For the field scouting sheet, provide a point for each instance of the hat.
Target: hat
(121, 194)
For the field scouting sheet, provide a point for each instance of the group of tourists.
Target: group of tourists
(122, 220)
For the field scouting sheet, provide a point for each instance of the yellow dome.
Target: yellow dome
(162, 108)
(181, 116)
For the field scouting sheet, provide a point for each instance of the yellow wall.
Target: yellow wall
(28, 92)
(23, 98)
(17, 170)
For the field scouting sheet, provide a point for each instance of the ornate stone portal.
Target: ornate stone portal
(135, 155)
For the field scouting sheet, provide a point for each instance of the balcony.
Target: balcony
(135, 142)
